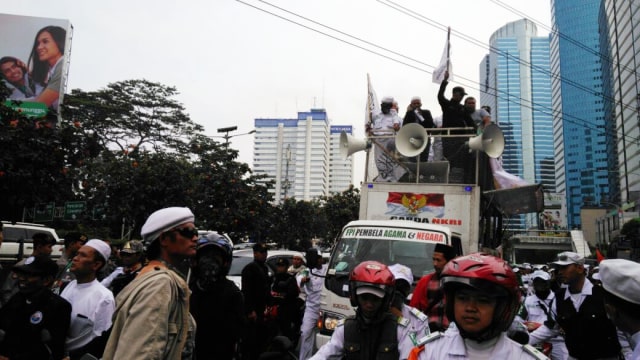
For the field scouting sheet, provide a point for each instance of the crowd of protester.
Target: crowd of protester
(132, 301)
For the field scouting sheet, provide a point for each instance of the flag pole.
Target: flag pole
(448, 46)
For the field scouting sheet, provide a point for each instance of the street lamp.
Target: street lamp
(227, 130)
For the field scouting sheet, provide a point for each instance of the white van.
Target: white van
(18, 241)
(390, 242)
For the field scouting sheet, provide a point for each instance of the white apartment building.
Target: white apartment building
(302, 155)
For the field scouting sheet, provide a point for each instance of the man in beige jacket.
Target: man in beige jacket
(152, 319)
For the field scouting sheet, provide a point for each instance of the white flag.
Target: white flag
(445, 63)
(373, 106)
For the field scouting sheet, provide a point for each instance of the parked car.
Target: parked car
(243, 257)
(18, 241)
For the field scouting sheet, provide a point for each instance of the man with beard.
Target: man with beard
(536, 311)
(373, 332)
(215, 300)
(35, 321)
(428, 296)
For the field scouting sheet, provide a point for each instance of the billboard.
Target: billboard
(34, 61)
(554, 216)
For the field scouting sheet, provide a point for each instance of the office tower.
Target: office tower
(515, 82)
(301, 155)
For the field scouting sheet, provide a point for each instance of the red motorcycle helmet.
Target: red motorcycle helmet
(488, 274)
(372, 274)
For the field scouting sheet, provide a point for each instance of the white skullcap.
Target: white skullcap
(101, 247)
(621, 278)
(163, 220)
(400, 271)
(416, 98)
(387, 99)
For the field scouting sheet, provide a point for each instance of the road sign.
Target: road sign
(99, 213)
(43, 212)
(73, 210)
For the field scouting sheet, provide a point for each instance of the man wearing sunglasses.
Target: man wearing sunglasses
(152, 317)
(579, 313)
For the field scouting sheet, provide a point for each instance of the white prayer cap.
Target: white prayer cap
(400, 271)
(163, 220)
(101, 247)
(387, 100)
(621, 278)
(416, 98)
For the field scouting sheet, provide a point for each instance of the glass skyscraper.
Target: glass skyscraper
(516, 84)
(578, 105)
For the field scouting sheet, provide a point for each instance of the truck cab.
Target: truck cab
(390, 242)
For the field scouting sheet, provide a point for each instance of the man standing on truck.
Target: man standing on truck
(454, 115)
(428, 296)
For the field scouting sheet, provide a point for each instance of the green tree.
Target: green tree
(132, 116)
(37, 160)
(339, 209)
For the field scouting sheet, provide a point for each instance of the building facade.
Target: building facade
(580, 138)
(301, 155)
(516, 84)
(619, 26)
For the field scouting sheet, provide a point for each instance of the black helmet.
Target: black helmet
(217, 241)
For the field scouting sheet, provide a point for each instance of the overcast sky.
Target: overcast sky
(232, 62)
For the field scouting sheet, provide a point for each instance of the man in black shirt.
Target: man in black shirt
(35, 321)
(256, 288)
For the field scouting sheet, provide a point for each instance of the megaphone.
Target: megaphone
(411, 140)
(491, 142)
(350, 145)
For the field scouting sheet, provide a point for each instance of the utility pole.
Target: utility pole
(287, 184)
(226, 136)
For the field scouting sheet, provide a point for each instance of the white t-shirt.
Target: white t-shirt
(92, 306)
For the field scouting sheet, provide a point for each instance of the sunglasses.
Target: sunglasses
(187, 232)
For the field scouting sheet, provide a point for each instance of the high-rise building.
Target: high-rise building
(579, 124)
(619, 27)
(515, 82)
(301, 155)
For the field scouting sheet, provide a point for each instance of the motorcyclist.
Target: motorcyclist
(215, 299)
(373, 332)
(482, 300)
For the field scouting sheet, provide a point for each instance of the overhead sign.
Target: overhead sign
(73, 210)
(43, 212)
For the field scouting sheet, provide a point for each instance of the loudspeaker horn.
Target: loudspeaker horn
(350, 145)
(411, 140)
(491, 142)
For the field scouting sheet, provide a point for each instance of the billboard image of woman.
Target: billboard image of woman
(33, 62)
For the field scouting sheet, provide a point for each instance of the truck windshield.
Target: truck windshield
(350, 252)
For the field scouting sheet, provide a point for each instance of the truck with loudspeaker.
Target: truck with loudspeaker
(402, 221)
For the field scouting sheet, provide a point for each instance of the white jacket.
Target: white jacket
(450, 345)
